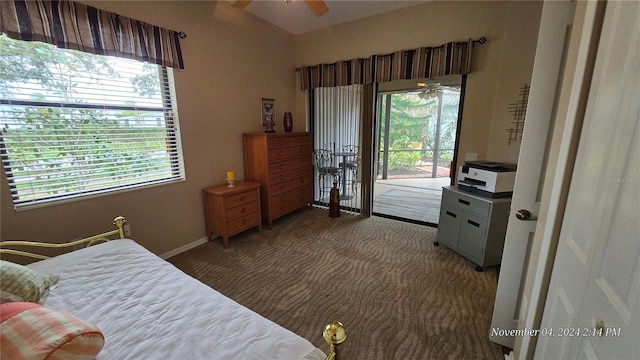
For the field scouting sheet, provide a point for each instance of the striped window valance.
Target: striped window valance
(421, 63)
(76, 26)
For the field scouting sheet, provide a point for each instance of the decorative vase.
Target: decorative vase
(334, 200)
(288, 122)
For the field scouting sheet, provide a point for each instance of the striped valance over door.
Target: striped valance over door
(422, 63)
(76, 26)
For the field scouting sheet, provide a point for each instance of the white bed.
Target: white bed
(148, 309)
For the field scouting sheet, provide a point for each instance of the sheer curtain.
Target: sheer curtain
(336, 125)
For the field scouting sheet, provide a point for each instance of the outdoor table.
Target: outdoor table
(345, 156)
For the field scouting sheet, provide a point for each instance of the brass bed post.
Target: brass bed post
(119, 223)
(334, 335)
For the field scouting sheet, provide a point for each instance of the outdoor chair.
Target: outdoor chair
(324, 165)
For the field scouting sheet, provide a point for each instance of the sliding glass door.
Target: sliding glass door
(389, 154)
(416, 140)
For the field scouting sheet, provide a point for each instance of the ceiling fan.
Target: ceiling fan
(317, 7)
(431, 90)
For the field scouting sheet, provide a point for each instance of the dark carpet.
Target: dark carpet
(398, 295)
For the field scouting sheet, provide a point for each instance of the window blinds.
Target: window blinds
(77, 124)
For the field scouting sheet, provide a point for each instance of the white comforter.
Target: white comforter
(148, 309)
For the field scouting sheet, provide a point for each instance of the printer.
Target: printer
(487, 178)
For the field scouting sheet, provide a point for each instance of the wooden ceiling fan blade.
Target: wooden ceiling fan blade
(317, 7)
(241, 3)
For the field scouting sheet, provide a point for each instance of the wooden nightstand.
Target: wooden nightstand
(231, 210)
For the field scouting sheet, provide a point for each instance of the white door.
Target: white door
(553, 37)
(594, 293)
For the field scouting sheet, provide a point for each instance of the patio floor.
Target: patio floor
(416, 199)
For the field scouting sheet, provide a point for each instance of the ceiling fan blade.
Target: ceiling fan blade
(317, 7)
(241, 3)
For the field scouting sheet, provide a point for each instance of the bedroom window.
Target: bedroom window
(75, 124)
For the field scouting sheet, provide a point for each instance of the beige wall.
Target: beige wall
(500, 66)
(231, 60)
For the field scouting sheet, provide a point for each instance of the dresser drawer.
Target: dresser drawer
(278, 142)
(301, 162)
(289, 175)
(243, 223)
(301, 140)
(467, 203)
(242, 210)
(279, 154)
(301, 150)
(240, 199)
(286, 202)
(289, 185)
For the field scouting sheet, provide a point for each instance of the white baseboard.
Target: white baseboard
(184, 248)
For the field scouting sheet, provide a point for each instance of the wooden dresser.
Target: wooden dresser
(283, 164)
(231, 210)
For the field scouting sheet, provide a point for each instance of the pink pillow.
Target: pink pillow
(11, 309)
(32, 331)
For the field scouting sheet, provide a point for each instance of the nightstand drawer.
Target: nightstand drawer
(245, 222)
(240, 199)
(242, 210)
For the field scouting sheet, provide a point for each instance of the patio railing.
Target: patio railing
(414, 163)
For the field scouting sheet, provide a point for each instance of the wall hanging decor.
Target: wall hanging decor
(518, 112)
(268, 114)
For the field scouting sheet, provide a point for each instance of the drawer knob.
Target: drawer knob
(524, 215)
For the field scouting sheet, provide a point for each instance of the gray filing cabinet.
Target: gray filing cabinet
(473, 226)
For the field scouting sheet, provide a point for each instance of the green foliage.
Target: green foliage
(414, 121)
(402, 160)
(147, 83)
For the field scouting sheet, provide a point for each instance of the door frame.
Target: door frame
(566, 134)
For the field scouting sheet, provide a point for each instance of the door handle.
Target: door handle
(524, 215)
